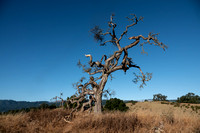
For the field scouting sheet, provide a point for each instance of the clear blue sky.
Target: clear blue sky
(42, 41)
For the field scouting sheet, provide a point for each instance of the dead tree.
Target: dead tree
(54, 98)
(61, 100)
(119, 60)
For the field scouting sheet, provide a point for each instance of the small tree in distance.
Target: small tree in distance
(119, 60)
(159, 97)
(189, 98)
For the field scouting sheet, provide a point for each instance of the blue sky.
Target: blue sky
(42, 41)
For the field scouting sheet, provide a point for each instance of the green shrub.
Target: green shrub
(115, 104)
(189, 98)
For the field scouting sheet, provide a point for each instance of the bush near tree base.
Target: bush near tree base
(115, 104)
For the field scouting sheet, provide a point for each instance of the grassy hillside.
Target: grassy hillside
(143, 117)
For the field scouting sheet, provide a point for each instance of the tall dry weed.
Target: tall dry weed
(117, 122)
(108, 123)
(41, 121)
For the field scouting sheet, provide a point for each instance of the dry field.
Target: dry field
(143, 117)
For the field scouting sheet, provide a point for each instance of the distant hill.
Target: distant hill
(6, 105)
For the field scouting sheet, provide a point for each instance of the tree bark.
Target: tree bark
(98, 94)
(98, 104)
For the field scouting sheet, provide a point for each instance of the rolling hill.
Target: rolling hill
(6, 105)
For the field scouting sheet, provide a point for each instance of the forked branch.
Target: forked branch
(134, 21)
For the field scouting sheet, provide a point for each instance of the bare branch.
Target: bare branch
(91, 71)
(132, 44)
(116, 54)
(91, 99)
(108, 92)
(113, 35)
(151, 39)
(105, 57)
(115, 69)
(107, 33)
(97, 63)
(111, 77)
(134, 20)
(109, 41)
(142, 78)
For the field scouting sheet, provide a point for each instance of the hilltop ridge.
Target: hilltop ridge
(6, 105)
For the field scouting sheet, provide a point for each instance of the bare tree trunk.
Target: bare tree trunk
(98, 94)
(98, 104)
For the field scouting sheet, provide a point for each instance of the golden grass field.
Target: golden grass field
(143, 117)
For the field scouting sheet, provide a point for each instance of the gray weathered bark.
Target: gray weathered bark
(98, 104)
(98, 94)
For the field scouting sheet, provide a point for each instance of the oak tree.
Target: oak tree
(159, 97)
(119, 60)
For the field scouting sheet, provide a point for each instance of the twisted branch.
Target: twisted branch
(134, 20)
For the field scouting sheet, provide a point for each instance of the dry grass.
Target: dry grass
(174, 119)
(42, 121)
(146, 117)
(105, 123)
(158, 109)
